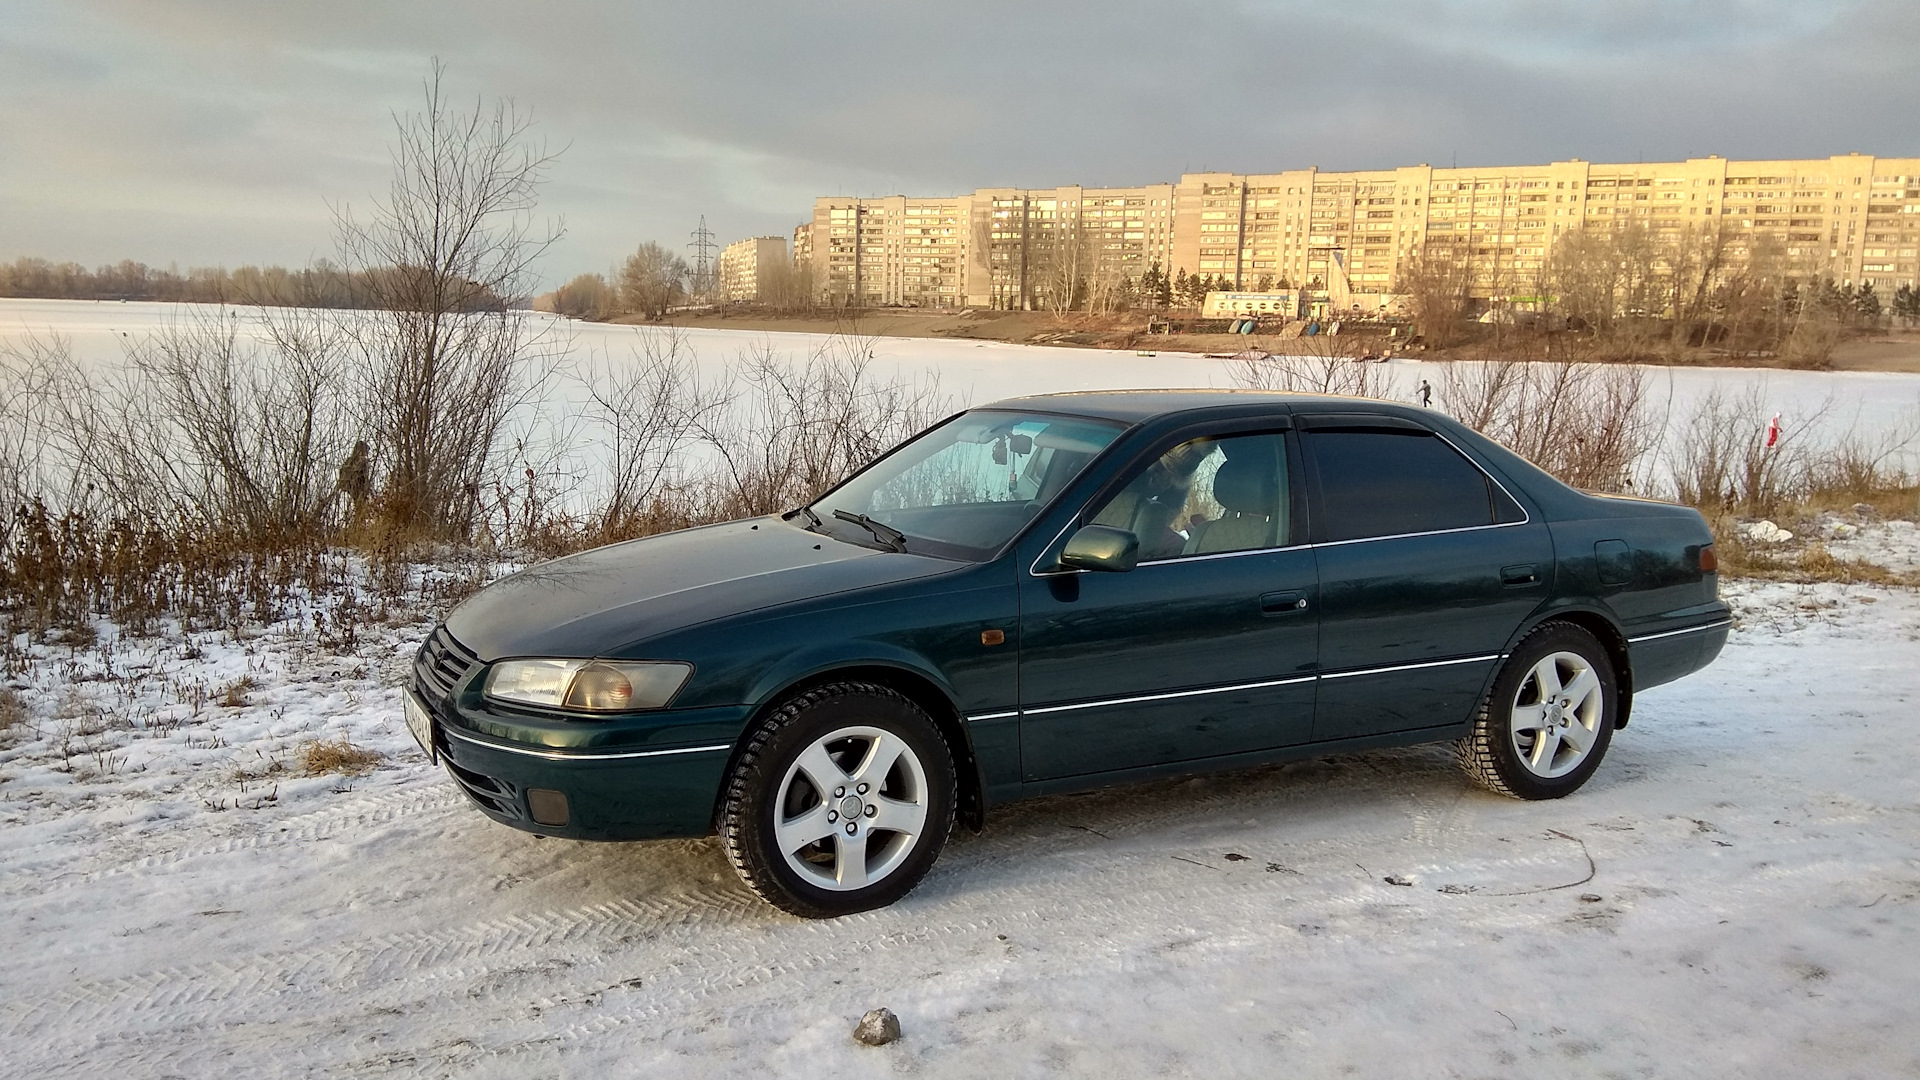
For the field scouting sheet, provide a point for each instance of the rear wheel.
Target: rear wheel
(1549, 718)
(841, 801)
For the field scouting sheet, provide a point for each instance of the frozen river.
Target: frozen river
(974, 372)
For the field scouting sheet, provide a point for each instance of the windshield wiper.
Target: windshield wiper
(881, 531)
(813, 519)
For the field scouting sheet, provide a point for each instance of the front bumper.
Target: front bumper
(638, 777)
(670, 793)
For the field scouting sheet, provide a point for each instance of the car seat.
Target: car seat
(1248, 489)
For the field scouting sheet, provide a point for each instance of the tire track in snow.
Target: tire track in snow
(397, 970)
(413, 800)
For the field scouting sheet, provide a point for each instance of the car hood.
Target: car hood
(596, 602)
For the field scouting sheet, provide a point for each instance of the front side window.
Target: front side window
(965, 488)
(1206, 497)
(1391, 482)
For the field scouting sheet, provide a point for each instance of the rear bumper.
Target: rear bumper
(1663, 656)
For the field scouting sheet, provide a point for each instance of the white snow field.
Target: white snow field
(1735, 894)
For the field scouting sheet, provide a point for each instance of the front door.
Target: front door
(1206, 648)
(1427, 566)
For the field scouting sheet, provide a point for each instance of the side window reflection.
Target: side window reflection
(1206, 497)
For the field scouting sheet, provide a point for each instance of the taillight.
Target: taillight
(1709, 562)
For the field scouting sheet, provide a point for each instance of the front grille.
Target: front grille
(491, 793)
(440, 665)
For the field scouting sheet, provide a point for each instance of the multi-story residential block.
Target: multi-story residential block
(745, 266)
(1855, 218)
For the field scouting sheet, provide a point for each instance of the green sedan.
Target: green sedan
(1057, 593)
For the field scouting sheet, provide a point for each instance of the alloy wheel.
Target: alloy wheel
(1557, 714)
(851, 808)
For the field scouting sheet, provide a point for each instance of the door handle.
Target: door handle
(1520, 574)
(1282, 603)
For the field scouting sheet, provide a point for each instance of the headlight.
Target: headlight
(588, 685)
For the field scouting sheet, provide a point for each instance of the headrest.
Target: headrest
(1247, 485)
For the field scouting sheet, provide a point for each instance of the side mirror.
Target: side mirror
(1101, 547)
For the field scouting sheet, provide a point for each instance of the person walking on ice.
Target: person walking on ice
(1426, 394)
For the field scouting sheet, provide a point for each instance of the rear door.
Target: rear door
(1205, 648)
(1427, 565)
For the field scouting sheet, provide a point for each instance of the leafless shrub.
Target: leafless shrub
(1721, 457)
(652, 409)
(1587, 424)
(1322, 364)
(795, 429)
(206, 429)
(32, 373)
(1861, 467)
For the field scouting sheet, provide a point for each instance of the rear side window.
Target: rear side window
(1395, 481)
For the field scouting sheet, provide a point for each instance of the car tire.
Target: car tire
(840, 801)
(1528, 744)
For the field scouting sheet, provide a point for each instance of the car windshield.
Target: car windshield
(963, 489)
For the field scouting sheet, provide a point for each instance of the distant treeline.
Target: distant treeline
(322, 285)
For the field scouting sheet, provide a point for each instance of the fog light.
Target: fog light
(547, 806)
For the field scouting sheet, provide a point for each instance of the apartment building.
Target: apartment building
(1856, 218)
(745, 266)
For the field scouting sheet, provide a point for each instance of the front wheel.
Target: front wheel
(840, 802)
(1547, 722)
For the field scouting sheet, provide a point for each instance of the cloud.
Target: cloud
(218, 131)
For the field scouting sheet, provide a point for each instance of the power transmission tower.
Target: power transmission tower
(703, 249)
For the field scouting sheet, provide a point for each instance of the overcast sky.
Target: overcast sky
(218, 132)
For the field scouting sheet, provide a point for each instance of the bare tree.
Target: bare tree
(788, 287)
(587, 296)
(447, 255)
(651, 280)
(1438, 288)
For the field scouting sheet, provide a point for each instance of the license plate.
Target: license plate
(420, 722)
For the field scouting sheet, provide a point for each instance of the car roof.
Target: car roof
(1139, 406)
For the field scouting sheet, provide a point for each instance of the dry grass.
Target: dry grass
(234, 695)
(1819, 564)
(1797, 562)
(323, 757)
(13, 711)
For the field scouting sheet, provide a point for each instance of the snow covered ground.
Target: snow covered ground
(1736, 893)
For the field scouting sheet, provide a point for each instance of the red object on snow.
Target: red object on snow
(1773, 431)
